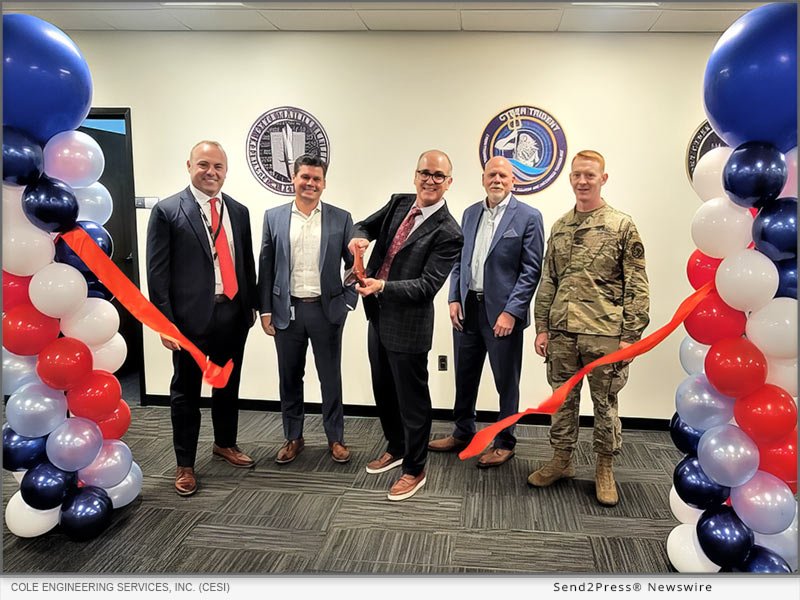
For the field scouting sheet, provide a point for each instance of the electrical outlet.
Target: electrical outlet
(442, 362)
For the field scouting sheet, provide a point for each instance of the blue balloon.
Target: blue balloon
(47, 86)
(45, 486)
(695, 487)
(755, 173)
(723, 537)
(775, 229)
(51, 205)
(20, 452)
(787, 278)
(23, 159)
(97, 289)
(763, 560)
(750, 85)
(683, 436)
(102, 238)
(86, 513)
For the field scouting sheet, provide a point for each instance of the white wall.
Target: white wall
(385, 97)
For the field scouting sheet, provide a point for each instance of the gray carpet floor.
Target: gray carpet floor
(317, 516)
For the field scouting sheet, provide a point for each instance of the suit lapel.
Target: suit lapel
(284, 235)
(473, 218)
(326, 230)
(508, 218)
(428, 225)
(191, 211)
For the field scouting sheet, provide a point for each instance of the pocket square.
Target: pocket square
(510, 233)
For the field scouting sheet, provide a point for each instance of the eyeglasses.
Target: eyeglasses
(437, 177)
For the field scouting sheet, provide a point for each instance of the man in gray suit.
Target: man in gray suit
(302, 298)
(491, 287)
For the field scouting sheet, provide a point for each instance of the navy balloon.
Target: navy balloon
(695, 487)
(755, 173)
(102, 238)
(45, 486)
(86, 513)
(684, 436)
(23, 159)
(724, 538)
(51, 205)
(47, 86)
(763, 560)
(97, 289)
(750, 85)
(787, 278)
(20, 452)
(775, 229)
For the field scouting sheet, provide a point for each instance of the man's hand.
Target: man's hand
(266, 324)
(359, 245)
(456, 316)
(371, 286)
(540, 344)
(169, 344)
(504, 325)
(623, 345)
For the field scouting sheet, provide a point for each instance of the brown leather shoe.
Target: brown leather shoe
(185, 482)
(234, 456)
(289, 451)
(494, 457)
(448, 444)
(339, 452)
(406, 486)
(384, 463)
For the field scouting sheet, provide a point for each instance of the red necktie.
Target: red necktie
(229, 284)
(398, 241)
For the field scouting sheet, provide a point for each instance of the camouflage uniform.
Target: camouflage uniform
(592, 295)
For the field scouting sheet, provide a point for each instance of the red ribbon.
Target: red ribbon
(550, 405)
(140, 307)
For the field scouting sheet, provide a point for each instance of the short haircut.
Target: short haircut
(592, 155)
(210, 143)
(308, 160)
(449, 162)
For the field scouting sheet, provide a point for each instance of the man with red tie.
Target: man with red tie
(201, 276)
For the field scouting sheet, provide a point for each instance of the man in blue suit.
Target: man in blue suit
(491, 287)
(302, 298)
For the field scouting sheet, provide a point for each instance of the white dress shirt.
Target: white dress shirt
(490, 219)
(305, 235)
(204, 201)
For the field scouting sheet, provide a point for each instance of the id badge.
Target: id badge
(291, 312)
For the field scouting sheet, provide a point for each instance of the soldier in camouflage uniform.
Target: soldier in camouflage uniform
(593, 299)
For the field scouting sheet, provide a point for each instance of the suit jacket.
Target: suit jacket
(404, 311)
(274, 273)
(180, 269)
(514, 263)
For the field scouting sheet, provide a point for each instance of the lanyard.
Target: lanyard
(214, 234)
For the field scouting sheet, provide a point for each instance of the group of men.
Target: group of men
(592, 300)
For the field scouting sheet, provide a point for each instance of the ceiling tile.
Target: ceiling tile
(695, 20)
(510, 20)
(141, 20)
(314, 20)
(607, 19)
(411, 20)
(75, 20)
(199, 19)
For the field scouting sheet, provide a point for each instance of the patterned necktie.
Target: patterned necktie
(229, 284)
(398, 241)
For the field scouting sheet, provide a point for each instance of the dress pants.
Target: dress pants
(505, 357)
(224, 341)
(310, 323)
(403, 400)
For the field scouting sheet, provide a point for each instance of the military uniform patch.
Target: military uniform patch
(637, 251)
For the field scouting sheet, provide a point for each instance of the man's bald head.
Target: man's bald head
(498, 179)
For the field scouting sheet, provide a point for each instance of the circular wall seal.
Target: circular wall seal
(703, 139)
(532, 140)
(276, 139)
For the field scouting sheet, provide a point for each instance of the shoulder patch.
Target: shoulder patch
(637, 251)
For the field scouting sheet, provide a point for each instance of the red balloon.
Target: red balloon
(735, 367)
(701, 269)
(95, 396)
(116, 424)
(26, 331)
(766, 415)
(780, 459)
(64, 362)
(15, 290)
(712, 320)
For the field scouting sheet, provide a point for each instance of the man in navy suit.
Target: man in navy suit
(302, 298)
(491, 287)
(201, 275)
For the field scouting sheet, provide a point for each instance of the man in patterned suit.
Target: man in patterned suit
(416, 243)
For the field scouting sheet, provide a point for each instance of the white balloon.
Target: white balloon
(684, 552)
(747, 280)
(682, 511)
(773, 328)
(94, 323)
(784, 544)
(721, 228)
(18, 371)
(693, 355)
(12, 203)
(25, 521)
(707, 176)
(790, 188)
(73, 157)
(58, 289)
(126, 491)
(26, 248)
(94, 203)
(783, 373)
(110, 356)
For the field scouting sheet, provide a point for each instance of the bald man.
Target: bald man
(416, 243)
(491, 287)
